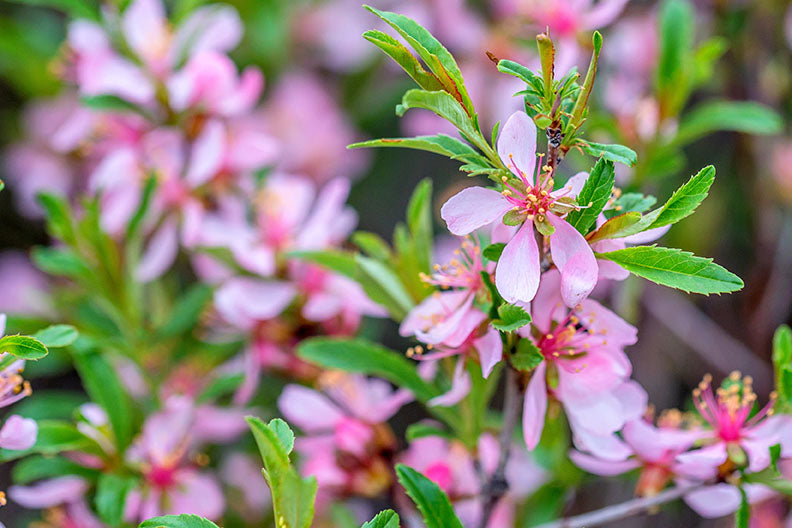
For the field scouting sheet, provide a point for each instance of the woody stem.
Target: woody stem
(621, 511)
(497, 486)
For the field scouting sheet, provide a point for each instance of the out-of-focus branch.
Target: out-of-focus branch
(721, 351)
(623, 510)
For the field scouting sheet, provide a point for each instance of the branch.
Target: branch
(497, 486)
(623, 510)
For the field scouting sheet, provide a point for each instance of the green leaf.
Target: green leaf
(615, 153)
(675, 268)
(384, 519)
(23, 347)
(339, 261)
(57, 336)
(510, 318)
(364, 357)
(439, 144)
(373, 245)
(775, 456)
(111, 494)
(283, 432)
(676, 41)
(442, 104)
(431, 501)
(145, 201)
(522, 72)
(39, 467)
(493, 251)
(527, 357)
(292, 496)
(632, 202)
(419, 221)
(187, 311)
(616, 227)
(112, 103)
(399, 53)
(60, 261)
(59, 216)
(782, 364)
(103, 386)
(178, 521)
(593, 196)
(383, 286)
(685, 200)
(436, 57)
(581, 104)
(736, 116)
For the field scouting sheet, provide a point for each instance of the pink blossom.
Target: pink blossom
(449, 324)
(584, 366)
(48, 493)
(18, 433)
(346, 431)
(172, 483)
(12, 387)
(24, 287)
(517, 273)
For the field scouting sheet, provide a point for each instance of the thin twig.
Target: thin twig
(623, 510)
(497, 486)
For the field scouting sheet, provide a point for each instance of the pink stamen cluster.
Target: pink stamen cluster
(463, 271)
(728, 409)
(534, 200)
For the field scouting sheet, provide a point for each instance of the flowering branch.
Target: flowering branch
(623, 510)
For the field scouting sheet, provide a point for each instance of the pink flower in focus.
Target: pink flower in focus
(533, 201)
(346, 430)
(584, 367)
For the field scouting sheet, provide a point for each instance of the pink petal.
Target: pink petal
(607, 324)
(145, 28)
(517, 145)
(160, 253)
(207, 153)
(243, 300)
(547, 305)
(329, 221)
(196, 494)
(308, 409)
(442, 303)
(606, 447)
(490, 350)
(211, 28)
(701, 459)
(652, 443)
(573, 186)
(517, 273)
(574, 258)
(535, 407)
(460, 387)
(18, 433)
(603, 467)
(473, 208)
(49, 493)
(714, 501)
(649, 235)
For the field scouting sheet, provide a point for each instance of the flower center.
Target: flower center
(463, 271)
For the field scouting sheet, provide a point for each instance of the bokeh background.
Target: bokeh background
(326, 86)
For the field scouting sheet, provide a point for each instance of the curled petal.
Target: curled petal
(574, 258)
(460, 387)
(18, 433)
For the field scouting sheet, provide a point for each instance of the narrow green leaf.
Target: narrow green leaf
(439, 144)
(365, 357)
(383, 286)
(616, 227)
(436, 57)
(631, 202)
(187, 311)
(384, 519)
(399, 53)
(111, 494)
(419, 222)
(676, 40)
(593, 196)
(57, 336)
(735, 116)
(743, 514)
(775, 456)
(103, 386)
(615, 153)
(675, 268)
(60, 261)
(76, 8)
(522, 72)
(686, 199)
(493, 251)
(442, 104)
(335, 260)
(424, 429)
(23, 347)
(431, 501)
(112, 103)
(510, 318)
(178, 521)
(59, 217)
(373, 245)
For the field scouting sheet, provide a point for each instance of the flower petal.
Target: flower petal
(310, 410)
(517, 145)
(574, 258)
(18, 433)
(535, 407)
(490, 350)
(460, 387)
(473, 208)
(600, 466)
(160, 253)
(517, 273)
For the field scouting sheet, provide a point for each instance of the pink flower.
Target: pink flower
(24, 287)
(449, 324)
(12, 387)
(18, 433)
(49, 493)
(517, 273)
(346, 431)
(651, 449)
(171, 484)
(584, 366)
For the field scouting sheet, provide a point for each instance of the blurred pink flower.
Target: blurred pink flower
(24, 287)
(584, 366)
(517, 273)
